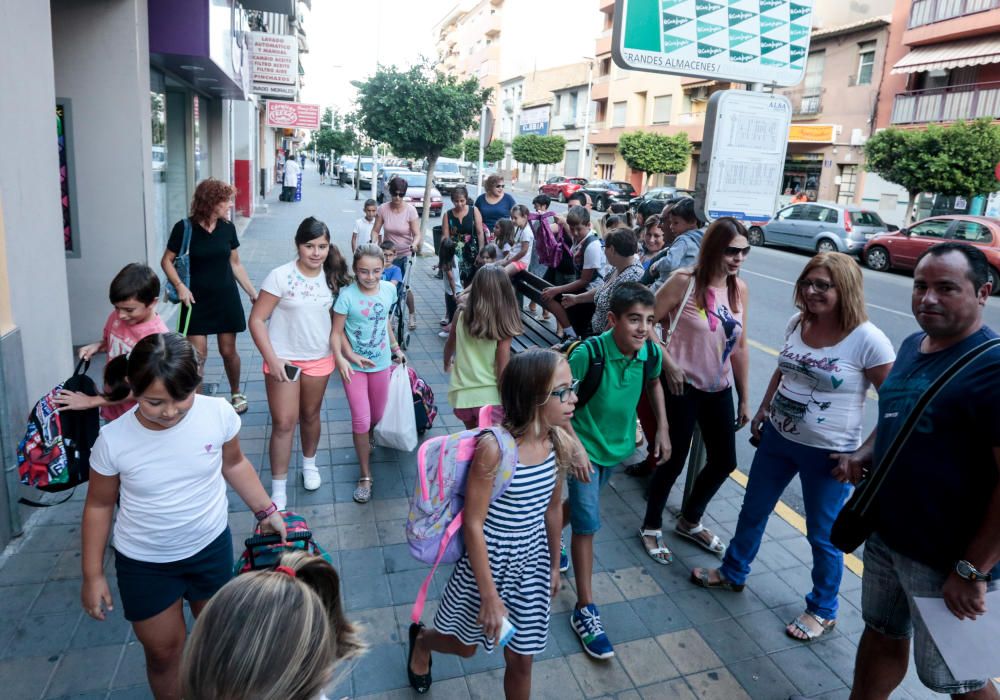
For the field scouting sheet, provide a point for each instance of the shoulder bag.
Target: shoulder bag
(182, 263)
(680, 309)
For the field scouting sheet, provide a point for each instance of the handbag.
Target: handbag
(856, 520)
(398, 427)
(182, 263)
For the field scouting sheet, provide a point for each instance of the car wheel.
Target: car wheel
(755, 235)
(995, 280)
(562, 197)
(877, 258)
(601, 204)
(826, 246)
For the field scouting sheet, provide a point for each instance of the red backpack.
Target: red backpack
(550, 241)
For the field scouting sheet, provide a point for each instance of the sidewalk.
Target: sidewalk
(673, 640)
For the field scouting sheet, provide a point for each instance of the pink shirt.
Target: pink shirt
(396, 226)
(704, 340)
(119, 339)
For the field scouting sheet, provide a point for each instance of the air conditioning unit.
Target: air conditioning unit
(699, 94)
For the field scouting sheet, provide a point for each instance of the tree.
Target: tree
(536, 150)
(331, 137)
(469, 149)
(655, 153)
(419, 111)
(954, 160)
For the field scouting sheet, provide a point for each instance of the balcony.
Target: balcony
(947, 104)
(603, 44)
(930, 11)
(600, 89)
(807, 103)
(606, 6)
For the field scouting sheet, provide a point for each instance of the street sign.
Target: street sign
(742, 155)
(750, 41)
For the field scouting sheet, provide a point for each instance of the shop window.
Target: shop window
(866, 62)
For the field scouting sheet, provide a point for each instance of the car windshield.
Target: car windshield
(577, 181)
(446, 168)
(366, 167)
(414, 179)
(866, 218)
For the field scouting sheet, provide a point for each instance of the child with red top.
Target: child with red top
(134, 293)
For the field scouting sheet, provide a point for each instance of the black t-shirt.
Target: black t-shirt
(937, 494)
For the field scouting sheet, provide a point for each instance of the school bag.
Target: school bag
(434, 526)
(263, 551)
(54, 454)
(595, 370)
(182, 263)
(550, 244)
(424, 410)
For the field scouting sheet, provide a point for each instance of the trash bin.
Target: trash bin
(437, 232)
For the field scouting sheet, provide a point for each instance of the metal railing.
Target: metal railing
(806, 101)
(929, 11)
(947, 104)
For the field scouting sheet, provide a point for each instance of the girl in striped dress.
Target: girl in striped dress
(510, 568)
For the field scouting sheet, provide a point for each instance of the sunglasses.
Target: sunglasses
(733, 251)
(500, 186)
(821, 286)
(563, 394)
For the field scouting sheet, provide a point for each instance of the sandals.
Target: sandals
(715, 545)
(420, 683)
(240, 403)
(810, 634)
(413, 323)
(363, 492)
(699, 577)
(659, 553)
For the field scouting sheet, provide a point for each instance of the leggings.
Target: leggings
(716, 416)
(367, 393)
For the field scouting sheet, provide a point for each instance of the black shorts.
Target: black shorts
(149, 588)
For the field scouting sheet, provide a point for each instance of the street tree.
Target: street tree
(332, 137)
(468, 149)
(418, 111)
(538, 150)
(655, 153)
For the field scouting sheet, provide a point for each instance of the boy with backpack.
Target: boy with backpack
(604, 421)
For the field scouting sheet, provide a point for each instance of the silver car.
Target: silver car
(823, 227)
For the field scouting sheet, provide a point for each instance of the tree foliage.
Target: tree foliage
(470, 146)
(535, 149)
(332, 137)
(418, 112)
(953, 160)
(655, 153)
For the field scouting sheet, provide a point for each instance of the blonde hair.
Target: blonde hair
(491, 311)
(850, 285)
(267, 635)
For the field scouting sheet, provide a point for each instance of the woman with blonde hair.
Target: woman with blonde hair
(271, 635)
(811, 411)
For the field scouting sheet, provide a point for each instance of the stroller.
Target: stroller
(399, 312)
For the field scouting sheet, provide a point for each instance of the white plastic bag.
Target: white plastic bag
(398, 427)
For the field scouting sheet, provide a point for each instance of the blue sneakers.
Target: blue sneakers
(586, 622)
(563, 557)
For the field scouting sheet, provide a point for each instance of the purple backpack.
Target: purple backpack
(434, 527)
(550, 242)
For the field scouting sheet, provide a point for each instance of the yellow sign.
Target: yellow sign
(810, 133)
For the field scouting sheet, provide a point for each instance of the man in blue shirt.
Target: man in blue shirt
(937, 531)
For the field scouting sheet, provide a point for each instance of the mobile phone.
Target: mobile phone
(507, 631)
(292, 372)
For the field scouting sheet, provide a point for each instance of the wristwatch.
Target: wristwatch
(266, 513)
(971, 573)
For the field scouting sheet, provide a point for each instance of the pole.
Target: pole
(482, 150)
(586, 122)
(374, 170)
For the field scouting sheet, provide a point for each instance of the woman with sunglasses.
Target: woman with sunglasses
(402, 228)
(707, 356)
(812, 411)
(493, 204)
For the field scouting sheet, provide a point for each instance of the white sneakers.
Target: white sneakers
(310, 478)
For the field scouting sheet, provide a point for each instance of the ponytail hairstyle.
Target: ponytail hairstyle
(367, 250)
(334, 266)
(520, 210)
(169, 357)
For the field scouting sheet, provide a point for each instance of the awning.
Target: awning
(953, 54)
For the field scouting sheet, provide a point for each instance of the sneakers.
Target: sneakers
(443, 334)
(563, 557)
(586, 622)
(310, 478)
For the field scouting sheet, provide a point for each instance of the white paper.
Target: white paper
(969, 647)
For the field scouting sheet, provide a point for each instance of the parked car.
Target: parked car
(384, 175)
(415, 184)
(560, 188)
(823, 227)
(659, 194)
(347, 166)
(900, 249)
(447, 175)
(603, 193)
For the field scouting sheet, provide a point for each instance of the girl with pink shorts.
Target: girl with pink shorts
(290, 323)
(364, 347)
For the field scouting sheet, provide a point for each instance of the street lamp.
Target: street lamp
(586, 117)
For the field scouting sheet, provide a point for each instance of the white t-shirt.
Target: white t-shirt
(821, 398)
(300, 324)
(173, 497)
(363, 230)
(456, 278)
(524, 235)
(291, 177)
(594, 259)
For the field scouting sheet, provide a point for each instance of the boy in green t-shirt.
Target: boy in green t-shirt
(605, 427)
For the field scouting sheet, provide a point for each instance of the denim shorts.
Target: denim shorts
(890, 582)
(585, 502)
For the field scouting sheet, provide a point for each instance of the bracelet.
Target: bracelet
(394, 348)
(267, 512)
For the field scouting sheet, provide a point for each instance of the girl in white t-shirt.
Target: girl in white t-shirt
(298, 298)
(166, 463)
(516, 261)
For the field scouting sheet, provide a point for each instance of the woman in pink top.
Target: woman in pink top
(402, 227)
(706, 358)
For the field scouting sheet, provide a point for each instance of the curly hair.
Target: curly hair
(207, 196)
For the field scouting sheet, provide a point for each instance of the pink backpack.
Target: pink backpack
(550, 242)
(434, 527)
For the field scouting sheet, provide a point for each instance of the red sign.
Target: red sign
(292, 115)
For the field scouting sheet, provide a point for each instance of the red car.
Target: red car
(900, 249)
(560, 188)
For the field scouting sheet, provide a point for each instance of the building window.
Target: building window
(618, 114)
(604, 67)
(661, 109)
(813, 83)
(866, 62)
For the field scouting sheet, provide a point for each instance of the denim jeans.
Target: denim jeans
(777, 461)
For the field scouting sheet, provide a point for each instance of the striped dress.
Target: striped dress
(518, 549)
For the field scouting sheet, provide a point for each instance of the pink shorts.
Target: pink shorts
(322, 367)
(519, 265)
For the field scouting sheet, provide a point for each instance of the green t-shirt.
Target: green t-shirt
(606, 425)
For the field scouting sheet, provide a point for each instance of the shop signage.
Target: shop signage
(811, 133)
(287, 92)
(274, 58)
(292, 115)
(750, 41)
(534, 121)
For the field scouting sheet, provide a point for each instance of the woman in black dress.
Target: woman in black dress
(465, 225)
(212, 299)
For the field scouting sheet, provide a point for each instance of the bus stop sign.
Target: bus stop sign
(749, 41)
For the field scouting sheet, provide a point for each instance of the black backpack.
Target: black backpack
(595, 370)
(54, 454)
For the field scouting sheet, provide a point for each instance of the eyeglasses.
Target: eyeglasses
(500, 186)
(821, 286)
(563, 394)
(733, 251)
